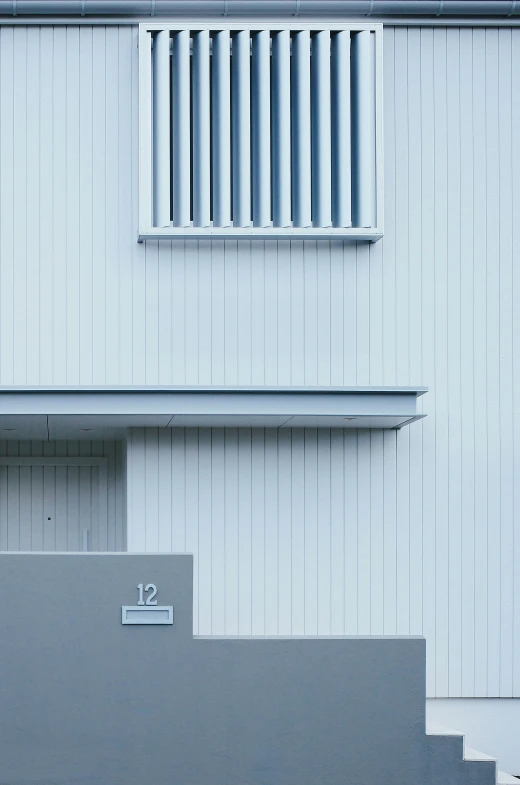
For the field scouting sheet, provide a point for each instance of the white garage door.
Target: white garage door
(52, 504)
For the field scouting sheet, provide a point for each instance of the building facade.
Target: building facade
(255, 397)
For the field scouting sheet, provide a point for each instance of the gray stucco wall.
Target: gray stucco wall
(85, 699)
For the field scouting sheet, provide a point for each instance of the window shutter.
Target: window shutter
(248, 131)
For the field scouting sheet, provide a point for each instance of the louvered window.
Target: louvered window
(260, 131)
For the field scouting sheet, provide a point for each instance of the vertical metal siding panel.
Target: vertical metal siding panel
(49, 507)
(85, 239)
(364, 535)
(323, 535)
(221, 115)
(205, 538)
(467, 368)
(270, 291)
(217, 590)
(337, 315)
(126, 206)
(192, 515)
(480, 359)
(136, 532)
(164, 490)
(191, 314)
(232, 524)
(213, 350)
(301, 128)
(351, 506)
(310, 532)
(104, 47)
(454, 440)
(376, 533)
(75, 47)
(245, 481)
(151, 488)
(258, 500)
(271, 532)
(440, 359)
(310, 324)
(181, 128)
(231, 326)
(507, 155)
(25, 521)
(261, 127)
(7, 315)
(428, 333)
(337, 532)
(288, 345)
(31, 208)
(493, 363)
(178, 489)
(340, 118)
(241, 114)
(396, 268)
(323, 297)
(45, 332)
(109, 297)
(396, 567)
(245, 296)
(285, 531)
(59, 202)
(201, 129)
(298, 526)
(153, 296)
(281, 128)
(74, 527)
(515, 165)
(61, 523)
(13, 508)
(161, 127)
(20, 214)
(321, 130)
(415, 282)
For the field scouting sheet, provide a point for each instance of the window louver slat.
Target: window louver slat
(363, 129)
(181, 129)
(281, 128)
(301, 128)
(275, 130)
(321, 139)
(161, 129)
(340, 120)
(261, 127)
(241, 129)
(221, 95)
(201, 130)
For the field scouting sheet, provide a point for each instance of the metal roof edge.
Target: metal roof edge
(425, 9)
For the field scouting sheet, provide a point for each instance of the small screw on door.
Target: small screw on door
(48, 519)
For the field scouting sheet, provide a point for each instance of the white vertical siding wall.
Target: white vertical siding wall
(82, 302)
(306, 532)
(19, 495)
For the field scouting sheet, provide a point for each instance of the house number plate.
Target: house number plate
(147, 611)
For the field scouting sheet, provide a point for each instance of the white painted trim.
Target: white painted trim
(261, 233)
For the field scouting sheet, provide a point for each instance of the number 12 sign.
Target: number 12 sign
(147, 611)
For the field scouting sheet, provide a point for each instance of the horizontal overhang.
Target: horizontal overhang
(273, 8)
(107, 412)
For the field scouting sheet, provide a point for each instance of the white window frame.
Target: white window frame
(149, 232)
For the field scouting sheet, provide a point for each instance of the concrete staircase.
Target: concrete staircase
(470, 754)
